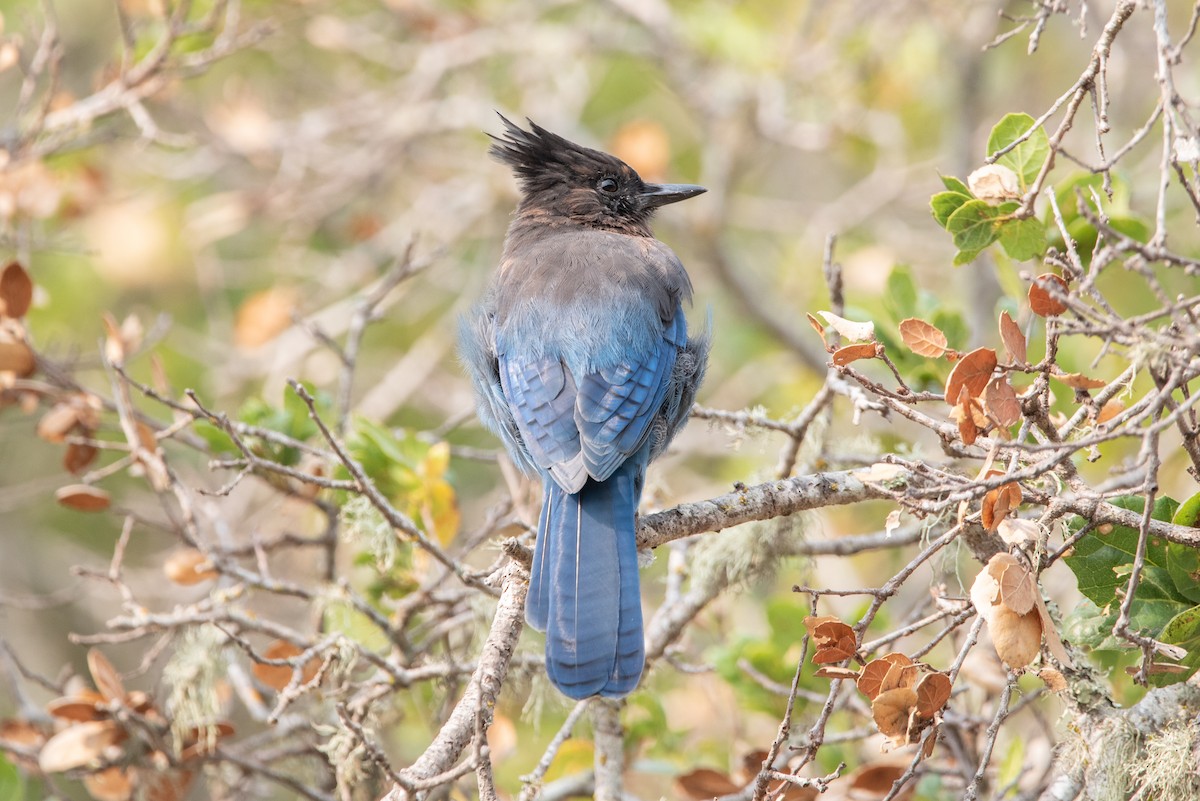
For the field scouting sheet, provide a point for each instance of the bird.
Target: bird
(582, 365)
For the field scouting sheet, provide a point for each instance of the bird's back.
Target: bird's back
(592, 297)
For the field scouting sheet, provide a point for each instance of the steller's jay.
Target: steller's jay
(581, 360)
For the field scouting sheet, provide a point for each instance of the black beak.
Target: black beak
(655, 195)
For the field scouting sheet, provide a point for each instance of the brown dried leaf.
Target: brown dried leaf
(814, 622)
(22, 733)
(17, 358)
(203, 740)
(75, 708)
(1017, 531)
(891, 710)
(897, 658)
(111, 784)
(1076, 380)
(114, 346)
(850, 329)
(1054, 643)
(279, 676)
(875, 781)
(107, 680)
(985, 593)
(1046, 294)
(1017, 638)
(840, 651)
(1018, 589)
(79, 745)
(83, 498)
(188, 566)
(644, 145)
(973, 371)
(1001, 402)
(703, 784)
(264, 316)
(998, 503)
(874, 673)
(933, 691)
(1055, 681)
(1110, 410)
(969, 415)
(831, 632)
(852, 353)
(820, 329)
(832, 672)
(1013, 339)
(171, 785)
(59, 422)
(16, 290)
(79, 456)
(922, 338)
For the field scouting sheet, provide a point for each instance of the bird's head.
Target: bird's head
(561, 179)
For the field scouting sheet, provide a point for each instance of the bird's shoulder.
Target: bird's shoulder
(580, 259)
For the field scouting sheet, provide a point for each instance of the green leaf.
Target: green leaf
(973, 225)
(966, 257)
(1102, 561)
(1023, 239)
(1183, 561)
(12, 785)
(943, 204)
(952, 184)
(953, 326)
(1182, 630)
(901, 297)
(218, 441)
(1188, 513)
(1025, 159)
(1013, 764)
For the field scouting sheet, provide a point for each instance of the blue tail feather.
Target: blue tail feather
(584, 588)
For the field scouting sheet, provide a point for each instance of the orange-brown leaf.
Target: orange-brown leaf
(1013, 338)
(852, 353)
(924, 339)
(1077, 380)
(1047, 295)
(79, 457)
(891, 710)
(1110, 410)
(703, 784)
(820, 329)
(933, 691)
(78, 745)
(107, 680)
(16, 357)
(188, 566)
(1001, 401)
(83, 498)
(279, 676)
(973, 371)
(16, 290)
(59, 422)
(111, 784)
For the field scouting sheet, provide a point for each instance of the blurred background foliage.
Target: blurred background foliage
(261, 194)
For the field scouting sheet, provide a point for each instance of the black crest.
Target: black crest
(540, 158)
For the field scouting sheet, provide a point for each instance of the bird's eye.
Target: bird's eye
(607, 185)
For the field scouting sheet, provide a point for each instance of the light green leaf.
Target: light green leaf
(952, 184)
(966, 256)
(1023, 239)
(901, 297)
(944, 204)
(1025, 159)
(973, 225)
(1102, 561)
